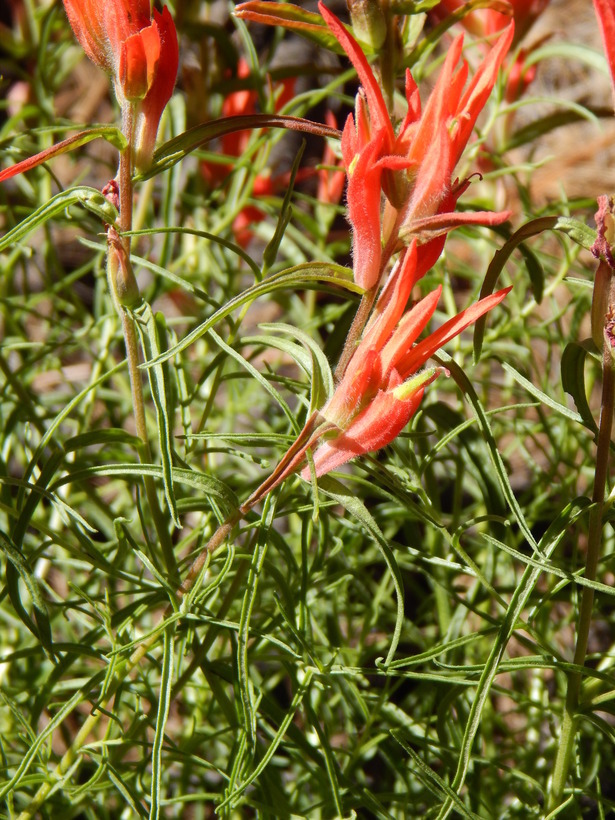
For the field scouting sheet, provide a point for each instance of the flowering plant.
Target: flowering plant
(277, 538)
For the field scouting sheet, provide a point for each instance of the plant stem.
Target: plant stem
(565, 750)
(132, 347)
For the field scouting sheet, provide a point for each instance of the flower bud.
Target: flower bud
(368, 21)
(138, 50)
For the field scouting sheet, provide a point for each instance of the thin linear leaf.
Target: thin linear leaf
(334, 488)
(208, 485)
(542, 397)
(307, 275)
(572, 366)
(320, 370)
(45, 734)
(290, 415)
(286, 211)
(468, 390)
(275, 742)
(248, 701)
(17, 566)
(577, 231)
(106, 132)
(431, 779)
(173, 151)
(164, 702)
(151, 329)
(231, 246)
(89, 198)
(94, 438)
(518, 602)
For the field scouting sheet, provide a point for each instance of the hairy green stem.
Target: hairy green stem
(132, 347)
(568, 727)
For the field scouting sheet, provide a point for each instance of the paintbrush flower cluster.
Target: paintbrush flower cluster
(401, 198)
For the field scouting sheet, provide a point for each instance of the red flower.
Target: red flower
(381, 388)
(140, 53)
(605, 11)
(413, 165)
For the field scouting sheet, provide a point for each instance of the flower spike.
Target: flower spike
(382, 386)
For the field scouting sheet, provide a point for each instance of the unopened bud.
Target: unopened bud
(122, 280)
(368, 21)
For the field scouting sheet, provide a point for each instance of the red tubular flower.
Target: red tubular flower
(138, 51)
(414, 166)
(381, 388)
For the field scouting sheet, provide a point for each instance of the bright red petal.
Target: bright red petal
(418, 355)
(377, 106)
(374, 428)
(151, 107)
(605, 10)
(407, 332)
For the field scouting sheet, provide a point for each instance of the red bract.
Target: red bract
(605, 10)
(140, 53)
(413, 165)
(381, 388)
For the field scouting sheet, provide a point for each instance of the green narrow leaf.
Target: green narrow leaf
(248, 701)
(271, 251)
(320, 370)
(131, 799)
(306, 275)
(176, 149)
(329, 755)
(573, 381)
(113, 435)
(290, 415)
(576, 230)
(468, 390)
(164, 702)
(178, 280)
(273, 746)
(45, 734)
(430, 779)
(335, 489)
(542, 397)
(579, 232)
(518, 602)
(18, 567)
(527, 134)
(107, 132)
(90, 198)
(206, 484)
(149, 327)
